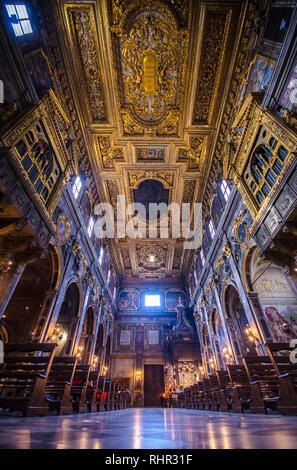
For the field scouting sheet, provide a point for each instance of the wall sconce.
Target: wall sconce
(138, 375)
(104, 370)
(212, 364)
(227, 355)
(252, 338)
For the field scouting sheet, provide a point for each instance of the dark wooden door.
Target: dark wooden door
(153, 384)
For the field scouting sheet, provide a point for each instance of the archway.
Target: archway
(87, 335)
(67, 320)
(28, 308)
(107, 355)
(275, 295)
(237, 322)
(219, 338)
(99, 345)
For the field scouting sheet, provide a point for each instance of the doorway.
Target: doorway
(153, 384)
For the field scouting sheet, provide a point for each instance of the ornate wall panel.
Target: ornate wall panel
(81, 22)
(150, 55)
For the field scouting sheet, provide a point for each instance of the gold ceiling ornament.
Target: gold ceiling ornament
(152, 257)
(113, 190)
(150, 56)
(167, 178)
(108, 152)
(227, 249)
(150, 153)
(81, 23)
(191, 153)
(214, 51)
(177, 259)
(126, 258)
(189, 191)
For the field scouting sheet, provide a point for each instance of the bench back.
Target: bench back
(206, 385)
(279, 354)
(30, 357)
(63, 369)
(238, 375)
(223, 378)
(214, 383)
(259, 368)
(81, 375)
(199, 387)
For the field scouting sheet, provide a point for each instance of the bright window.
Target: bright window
(225, 190)
(101, 255)
(90, 226)
(211, 229)
(76, 187)
(108, 277)
(152, 300)
(19, 18)
(202, 257)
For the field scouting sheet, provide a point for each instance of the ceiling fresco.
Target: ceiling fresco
(150, 81)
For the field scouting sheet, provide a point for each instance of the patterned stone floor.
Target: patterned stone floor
(150, 428)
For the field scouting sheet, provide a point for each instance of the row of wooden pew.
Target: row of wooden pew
(34, 381)
(260, 385)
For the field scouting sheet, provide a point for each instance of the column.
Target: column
(9, 281)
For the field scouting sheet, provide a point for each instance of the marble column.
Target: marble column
(8, 281)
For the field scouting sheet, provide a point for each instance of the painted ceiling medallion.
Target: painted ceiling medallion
(151, 57)
(152, 257)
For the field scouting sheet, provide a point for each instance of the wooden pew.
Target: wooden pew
(108, 391)
(23, 377)
(264, 382)
(198, 396)
(192, 397)
(101, 393)
(208, 401)
(91, 391)
(215, 392)
(120, 397)
(79, 388)
(58, 385)
(187, 397)
(225, 390)
(241, 388)
(286, 371)
(116, 397)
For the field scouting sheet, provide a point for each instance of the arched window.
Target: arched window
(263, 168)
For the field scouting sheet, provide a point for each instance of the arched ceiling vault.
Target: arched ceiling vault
(151, 82)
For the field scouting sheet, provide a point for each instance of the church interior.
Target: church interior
(114, 332)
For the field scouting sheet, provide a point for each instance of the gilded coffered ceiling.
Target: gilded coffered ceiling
(150, 81)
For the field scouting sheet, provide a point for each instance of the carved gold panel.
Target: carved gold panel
(150, 51)
(83, 34)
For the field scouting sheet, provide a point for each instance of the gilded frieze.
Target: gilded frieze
(150, 53)
(189, 191)
(217, 25)
(81, 22)
(150, 153)
(191, 154)
(108, 152)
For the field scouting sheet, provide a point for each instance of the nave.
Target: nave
(150, 428)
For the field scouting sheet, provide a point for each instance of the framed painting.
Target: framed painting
(129, 300)
(172, 299)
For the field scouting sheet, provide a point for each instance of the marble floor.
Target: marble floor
(150, 428)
